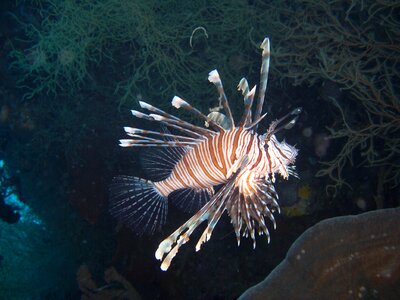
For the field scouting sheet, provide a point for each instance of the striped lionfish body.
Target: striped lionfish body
(236, 158)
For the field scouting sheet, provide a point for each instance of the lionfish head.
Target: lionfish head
(282, 154)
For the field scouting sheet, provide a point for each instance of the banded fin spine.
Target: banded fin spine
(143, 142)
(243, 86)
(265, 46)
(249, 211)
(159, 162)
(214, 77)
(138, 204)
(248, 102)
(178, 102)
(211, 212)
(135, 131)
(182, 126)
(168, 117)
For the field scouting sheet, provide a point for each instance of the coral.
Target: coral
(304, 192)
(116, 287)
(149, 44)
(301, 208)
(354, 44)
(147, 48)
(339, 258)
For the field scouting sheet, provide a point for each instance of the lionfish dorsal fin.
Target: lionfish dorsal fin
(265, 46)
(158, 163)
(220, 119)
(171, 121)
(214, 78)
(248, 103)
(178, 102)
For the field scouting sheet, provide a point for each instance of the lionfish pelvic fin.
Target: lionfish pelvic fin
(210, 212)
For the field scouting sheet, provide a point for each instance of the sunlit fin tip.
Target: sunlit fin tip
(213, 76)
(178, 102)
(243, 86)
(265, 45)
(255, 123)
(145, 105)
(252, 92)
(125, 142)
(131, 130)
(164, 247)
(296, 111)
(140, 115)
(157, 117)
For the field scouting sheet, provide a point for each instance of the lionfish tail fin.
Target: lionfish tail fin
(138, 204)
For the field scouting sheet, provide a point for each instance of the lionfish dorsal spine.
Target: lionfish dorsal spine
(162, 116)
(265, 46)
(214, 78)
(178, 102)
(248, 103)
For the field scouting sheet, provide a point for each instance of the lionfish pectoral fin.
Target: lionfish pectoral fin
(171, 244)
(249, 212)
(138, 204)
(237, 165)
(211, 211)
(190, 200)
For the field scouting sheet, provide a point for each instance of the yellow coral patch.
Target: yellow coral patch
(304, 192)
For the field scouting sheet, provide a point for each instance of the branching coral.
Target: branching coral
(356, 45)
(116, 287)
(146, 48)
(147, 43)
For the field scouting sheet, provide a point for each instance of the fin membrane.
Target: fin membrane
(138, 204)
(191, 200)
(159, 162)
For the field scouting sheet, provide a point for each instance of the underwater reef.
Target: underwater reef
(71, 71)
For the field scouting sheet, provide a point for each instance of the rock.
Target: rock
(349, 257)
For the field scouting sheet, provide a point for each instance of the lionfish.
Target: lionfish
(237, 159)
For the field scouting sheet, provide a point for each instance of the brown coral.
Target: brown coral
(116, 287)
